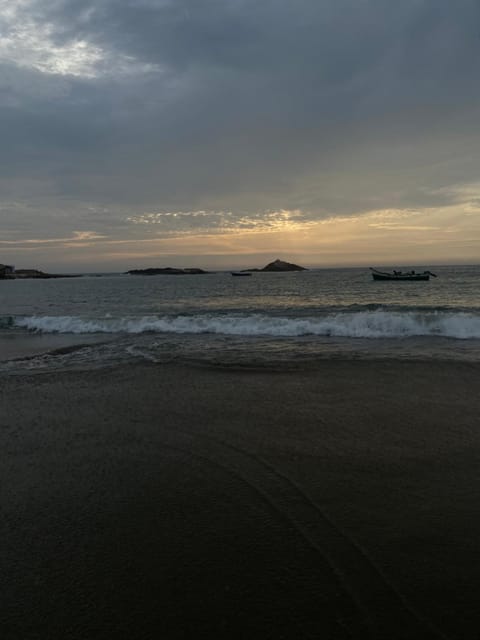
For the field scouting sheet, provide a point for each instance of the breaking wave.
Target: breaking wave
(362, 324)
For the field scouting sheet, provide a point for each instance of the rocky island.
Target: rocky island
(154, 271)
(278, 266)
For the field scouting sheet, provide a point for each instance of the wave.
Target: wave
(363, 324)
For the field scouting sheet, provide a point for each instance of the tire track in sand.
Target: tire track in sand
(382, 611)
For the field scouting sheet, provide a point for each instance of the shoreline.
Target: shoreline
(47, 352)
(18, 347)
(177, 500)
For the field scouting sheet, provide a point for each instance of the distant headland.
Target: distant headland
(8, 272)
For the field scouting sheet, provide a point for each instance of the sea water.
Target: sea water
(265, 319)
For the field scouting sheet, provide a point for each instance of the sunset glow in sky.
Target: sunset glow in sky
(226, 133)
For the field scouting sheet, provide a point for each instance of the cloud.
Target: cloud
(212, 222)
(30, 40)
(77, 236)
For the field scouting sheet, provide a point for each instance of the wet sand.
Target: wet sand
(168, 501)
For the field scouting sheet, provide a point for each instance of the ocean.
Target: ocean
(280, 319)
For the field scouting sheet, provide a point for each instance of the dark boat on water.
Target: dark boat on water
(403, 276)
(240, 273)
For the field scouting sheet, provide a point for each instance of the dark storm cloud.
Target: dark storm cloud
(333, 106)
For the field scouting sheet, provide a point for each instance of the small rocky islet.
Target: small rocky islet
(169, 271)
(278, 266)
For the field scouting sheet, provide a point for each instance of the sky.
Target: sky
(227, 133)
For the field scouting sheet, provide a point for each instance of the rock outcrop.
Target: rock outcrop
(280, 265)
(171, 271)
(23, 274)
(6, 271)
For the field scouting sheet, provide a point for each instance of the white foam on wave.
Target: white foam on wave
(365, 324)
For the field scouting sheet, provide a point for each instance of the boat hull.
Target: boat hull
(403, 278)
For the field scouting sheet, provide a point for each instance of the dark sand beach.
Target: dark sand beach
(175, 501)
